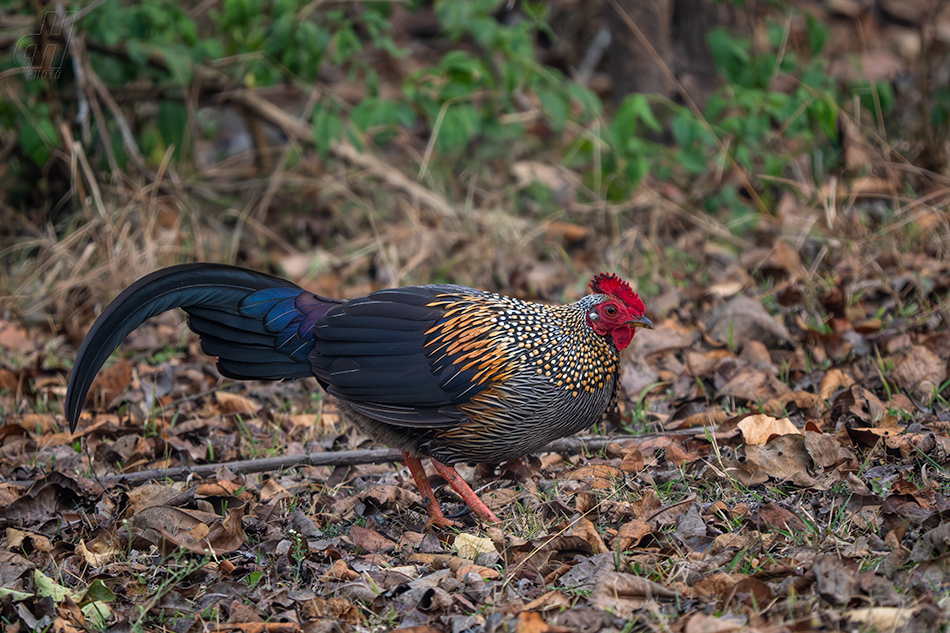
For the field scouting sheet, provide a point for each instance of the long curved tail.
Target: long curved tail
(258, 326)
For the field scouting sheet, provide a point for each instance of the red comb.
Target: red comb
(611, 284)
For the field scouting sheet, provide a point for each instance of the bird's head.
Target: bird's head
(619, 310)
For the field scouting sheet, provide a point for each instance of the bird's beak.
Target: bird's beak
(641, 322)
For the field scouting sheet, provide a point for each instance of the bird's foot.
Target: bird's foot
(465, 491)
(436, 517)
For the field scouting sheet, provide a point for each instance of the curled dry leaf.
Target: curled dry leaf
(600, 476)
(754, 385)
(371, 540)
(587, 531)
(631, 533)
(750, 592)
(920, 372)
(760, 428)
(880, 618)
(702, 623)
(835, 582)
(18, 539)
(783, 459)
(625, 593)
(824, 449)
(469, 546)
(110, 382)
(339, 570)
(743, 319)
(552, 600)
(230, 403)
(192, 530)
(833, 380)
(809, 403)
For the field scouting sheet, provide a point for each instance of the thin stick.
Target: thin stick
(567, 445)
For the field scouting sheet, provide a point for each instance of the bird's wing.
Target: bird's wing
(384, 355)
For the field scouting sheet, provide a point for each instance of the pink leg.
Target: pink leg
(422, 483)
(465, 491)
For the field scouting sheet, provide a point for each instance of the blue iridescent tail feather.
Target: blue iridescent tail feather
(258, 326)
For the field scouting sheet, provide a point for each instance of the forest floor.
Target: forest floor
(779, 459)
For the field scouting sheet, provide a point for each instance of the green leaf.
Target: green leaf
(684, 130)
(38, 137)
(590, 103)
(817, 34)
(634, 111)
(555, 107)
(459, 126)
(327, 129)
(97, 614)
(239, 12)
(98, 591)
(47, 587)
(173, 124)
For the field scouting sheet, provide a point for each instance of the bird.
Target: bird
(445, 372)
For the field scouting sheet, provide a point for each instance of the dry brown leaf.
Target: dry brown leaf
(17, 539)
(101, 550)
(339, 570)
(335, 608)
(39, 504)
(486, 573)
(500, 497)
(193, 530)
(632, 461)
(625, 593)
(743, 319)
(531, 622)
(559, 180)
(835, 582)
(552, 600)
(15, 338)
(824, 449)
(469, 546)
(833, 380)
(759, 428)
(702, 623)
(920, 372)
(774, 516)
(750, 592)
(230, 403)
(734, 541)
(110, 382)
(370, 540)
(631, 533)
(147, 495)
(783, 458)
(668, 336)
(585, 529)
(568, 231)
(754, 385)
(272, 490)
(780, 258)
(811, 404)
(880, 618)
(600, 476)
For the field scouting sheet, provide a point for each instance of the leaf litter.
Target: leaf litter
(773, 489)
(779, 458)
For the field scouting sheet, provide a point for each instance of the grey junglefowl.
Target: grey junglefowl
(440, 371)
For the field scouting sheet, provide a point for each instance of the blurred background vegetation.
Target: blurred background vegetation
(509, 145)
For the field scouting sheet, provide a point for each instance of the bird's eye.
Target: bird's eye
(610, 310)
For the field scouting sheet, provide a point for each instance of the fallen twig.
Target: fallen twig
(567, 445)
